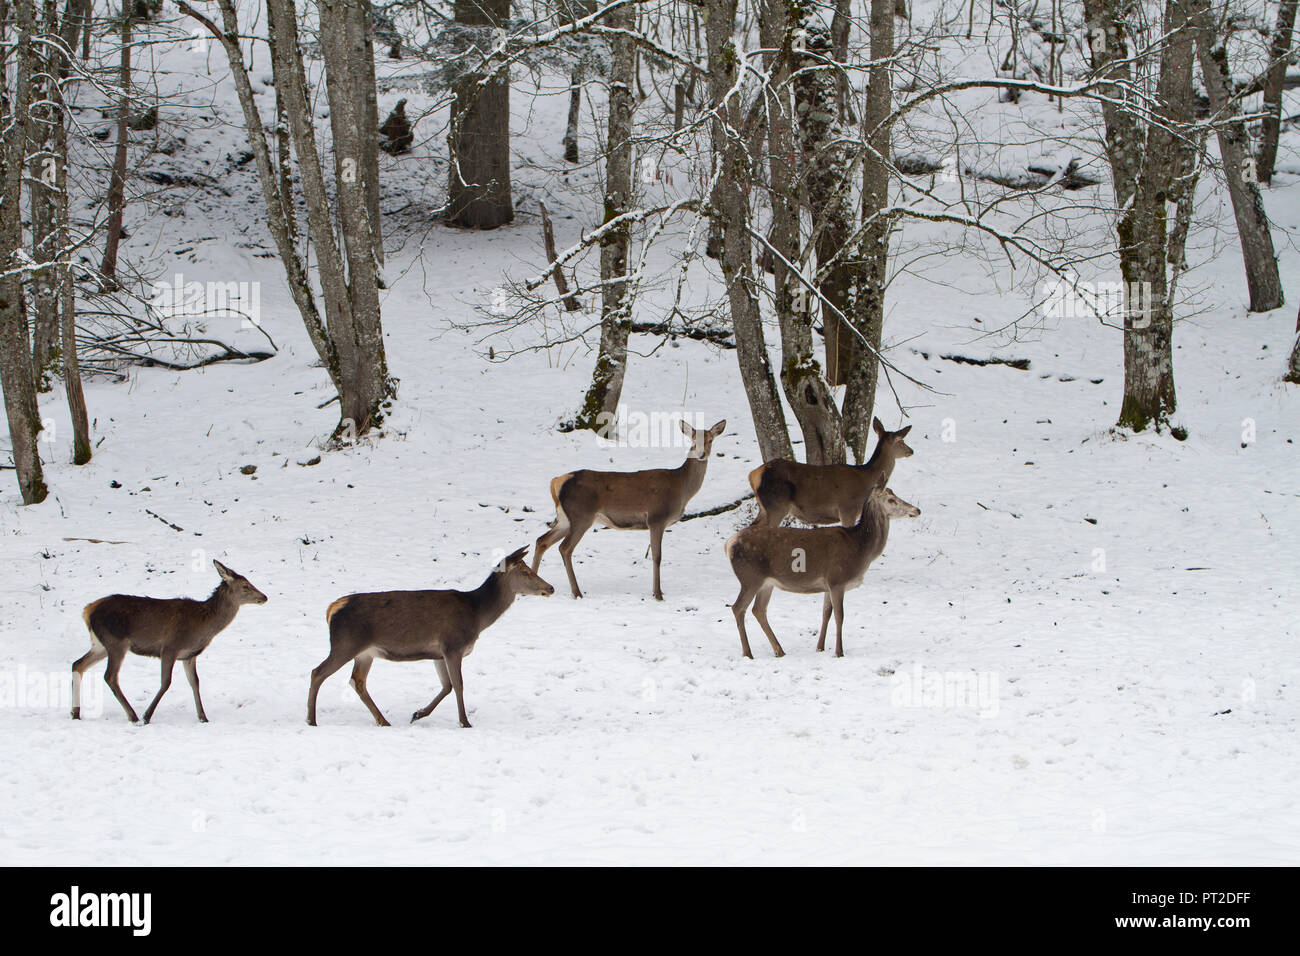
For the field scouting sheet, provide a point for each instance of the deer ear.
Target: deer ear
(902, 432)
(518, 556)
(687, 430)
(225, 572)
(718, 429)
(875, 423)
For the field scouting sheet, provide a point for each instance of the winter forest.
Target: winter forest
(349, 332)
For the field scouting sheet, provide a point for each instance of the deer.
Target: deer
(168, 628)
(828, 561)
(825, 494)
(650, 500)
(441, 625)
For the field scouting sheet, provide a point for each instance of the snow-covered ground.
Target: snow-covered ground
(1084, 651)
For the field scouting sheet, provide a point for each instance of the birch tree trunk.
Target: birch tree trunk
(732, 142)
(16, 379)
(1279, 47)
(1263, 280)
(478, 194)
(600, 407)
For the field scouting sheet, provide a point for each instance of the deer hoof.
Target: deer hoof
(76, 713)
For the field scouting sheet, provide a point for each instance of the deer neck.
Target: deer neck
(220, 608)
(872, 530)
(491, 599)
(692, 472)
(880, 465)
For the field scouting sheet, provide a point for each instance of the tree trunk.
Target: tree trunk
(1152, 165)
(117, 181)
(74, 20)
(350, 339)
(826, 166)
(16, 379)
(361, 40)
(44, 200)
(575, 114)
(1273, 83)
(1293, 366)
(349, 85)
(865, 304)
(478, 194)
(600, 407)
(1263, 281)
(730, 209)
(806, 389)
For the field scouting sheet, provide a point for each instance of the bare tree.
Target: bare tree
(349, 337)
(601, 402)
(810, 107)
(117, 182)
(1263, 280)
(1148, 148)
(865, 299)
(16, 377)
(478, 139)
(1274, 81)
(735, 139)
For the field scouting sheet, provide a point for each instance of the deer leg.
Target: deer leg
(361, 668)
(837, 599)
(168, 665)
(453, 671)
(87, 661)
(826, 619)
(656, 551)
(446, 689)
(760, 614)
(738, 608)
(544, 543)
(115, 656)
(192, 675)
(575, 533)
(323, 670)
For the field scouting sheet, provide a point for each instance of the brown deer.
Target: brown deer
(627, 500)
(170, 628)
(828, 561)
(418, 626)
(825, 494)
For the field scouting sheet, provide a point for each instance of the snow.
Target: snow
(1142, 664)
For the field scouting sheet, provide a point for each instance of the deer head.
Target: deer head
(702, 440)
(240, 588)
(892, 443)
(520, 578)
